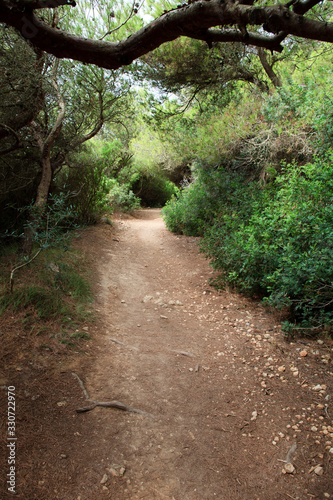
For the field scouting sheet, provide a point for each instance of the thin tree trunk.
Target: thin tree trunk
(45, 148)
(274, 78)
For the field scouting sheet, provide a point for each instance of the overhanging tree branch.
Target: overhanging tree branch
(227, 35)
(195, 21)
(96, 128)
(303, 7)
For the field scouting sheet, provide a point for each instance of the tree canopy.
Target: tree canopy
(251, 22)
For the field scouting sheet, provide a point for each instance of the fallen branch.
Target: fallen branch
(105, 404)
(14, 269)
(82, 386)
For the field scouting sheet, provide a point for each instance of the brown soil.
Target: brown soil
(223, 398)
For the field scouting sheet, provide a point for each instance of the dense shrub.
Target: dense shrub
(199, 204)
(87, 187)
(186, 213)
(122, 198)
(284, 250)
(275, 241)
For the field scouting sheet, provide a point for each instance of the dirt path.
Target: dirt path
(222, 401)
(226, 399)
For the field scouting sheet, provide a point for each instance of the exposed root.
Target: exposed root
(105, 404)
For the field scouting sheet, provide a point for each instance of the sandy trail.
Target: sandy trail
(206, 368)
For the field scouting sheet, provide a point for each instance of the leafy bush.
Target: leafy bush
(284, 249)
(275, 241)
(87, 188)
(121, 197)
(187, 214)
(213, 191)
(301, 217)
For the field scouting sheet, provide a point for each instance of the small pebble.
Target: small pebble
(104, 479)
(254, 415)
(289, 469)
(319, 471)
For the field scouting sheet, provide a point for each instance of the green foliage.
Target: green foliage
(198, 205)
(188, 213)
(208, 72)
(122, 198)
(138, 174)
(275, 241)
(87, 187)
(301, 217)
(265, 214)
(283, 249)
(306, 104)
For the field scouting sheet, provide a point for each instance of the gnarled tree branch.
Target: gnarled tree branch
(194, 21)
(268, 68)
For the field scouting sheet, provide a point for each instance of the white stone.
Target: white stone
(289, 469)
(104, 479)
(319, 470)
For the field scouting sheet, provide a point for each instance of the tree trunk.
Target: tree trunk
(39, 205)
(45, 147)
(268, 68)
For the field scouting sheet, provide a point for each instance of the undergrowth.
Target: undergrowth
(51, 294)
(274, 241)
